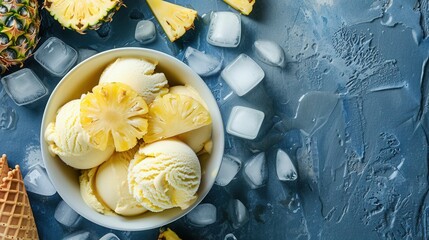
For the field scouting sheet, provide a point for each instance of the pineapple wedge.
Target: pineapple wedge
(244, 6)
(174, 19)
(168, 235)
(113, 111)
(173, 114)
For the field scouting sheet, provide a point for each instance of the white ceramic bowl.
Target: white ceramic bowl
(80, 80)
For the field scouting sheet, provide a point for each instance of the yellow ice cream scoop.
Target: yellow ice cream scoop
(164, 174)
(70, 142)
(139, 74)
(112, 186)
(89, 193)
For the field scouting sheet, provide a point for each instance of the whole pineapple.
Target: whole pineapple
(19, 29)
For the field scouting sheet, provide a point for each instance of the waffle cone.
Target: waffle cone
(16, 217)
(4, 167)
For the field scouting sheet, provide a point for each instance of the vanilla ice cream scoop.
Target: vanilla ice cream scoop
(138, 74)
(164, 174)
(89, 193)
(70, 142)
(112, 186)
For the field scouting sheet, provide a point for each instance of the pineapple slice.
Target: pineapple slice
(80, 15)
(174, 19)
(173, 114)
(113, 111)
(168, 235)
(244, 6)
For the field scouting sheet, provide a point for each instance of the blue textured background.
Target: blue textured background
(362, 162)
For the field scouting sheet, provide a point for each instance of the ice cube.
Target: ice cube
(245, 122)
(203, 64)
(37, 181)
(228, 170)
(84, 53)
(109, 236)
(80, 235)
(285, 169)
(269, 52)
(206, 17)
(145, 32)
(224, 29)
(242, 74)
(24, 87)
(230, 236)
(56, 56)
(255, 171)
(8, 117)
(202, 215)
(238, 213)
(65, 215)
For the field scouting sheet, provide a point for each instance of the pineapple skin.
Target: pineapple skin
(19, 30)
(82, 26)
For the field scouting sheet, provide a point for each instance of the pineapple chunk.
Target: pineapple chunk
(168, 235)
(244, 6)
(174, 19)
(173, 114)
(113, 111)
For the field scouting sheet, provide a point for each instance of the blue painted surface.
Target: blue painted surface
(362, 172)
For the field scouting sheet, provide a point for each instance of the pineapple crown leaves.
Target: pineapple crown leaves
(18, 31)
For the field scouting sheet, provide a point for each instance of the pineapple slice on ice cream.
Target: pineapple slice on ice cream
(113, 111)
(244, 6)
(174, 19)
(81, 15)
(173, 114)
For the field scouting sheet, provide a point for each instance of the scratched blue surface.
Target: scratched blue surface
(362, 163)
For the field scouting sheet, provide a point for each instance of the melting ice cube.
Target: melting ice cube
(109, 236)
(202, 215)
(269, 52)
(230, 236)
(203, 64)
(245, 122)
(224, 29)
(145, 32)
(37, 181)
(206, 17)
(285, 169)
(255, 171)
(80, 235)
(24, 87)
(56, 56)
(238, 213)
(65, 215)
(84, 53)
(228, 169)
(242, 74)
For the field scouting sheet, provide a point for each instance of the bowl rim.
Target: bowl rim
(220, 143)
